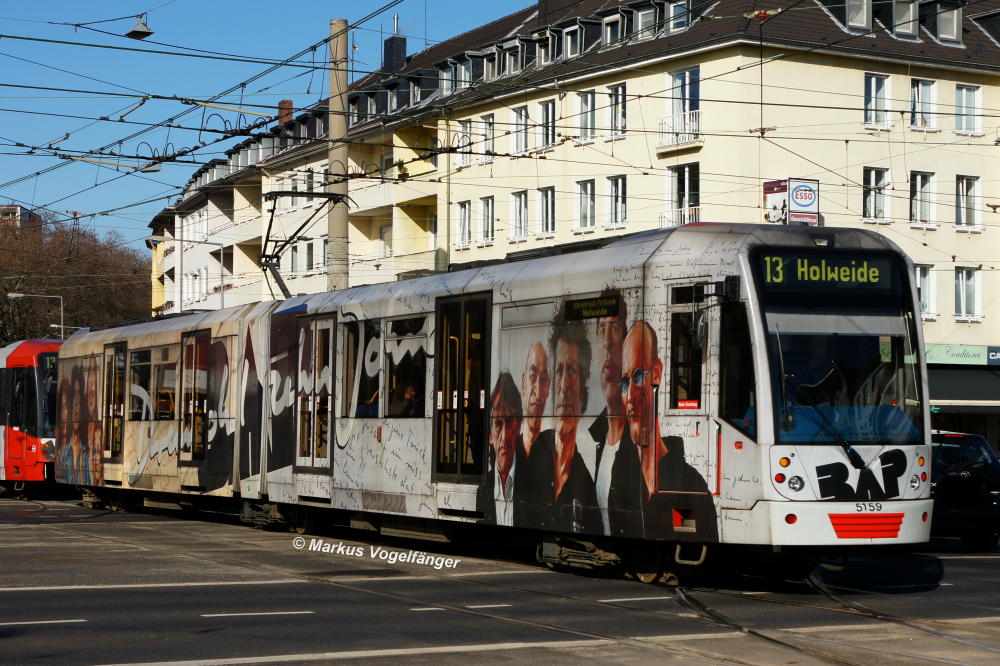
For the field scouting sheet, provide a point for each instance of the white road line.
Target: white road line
(427, 608)
(490, 606)
(689, 637)
(399, 652)
(262, 613)
(15, 624)
(143, 586)
(611, 601)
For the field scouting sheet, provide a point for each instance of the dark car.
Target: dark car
(965, 484)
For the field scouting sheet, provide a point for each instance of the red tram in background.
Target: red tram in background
(28, 411)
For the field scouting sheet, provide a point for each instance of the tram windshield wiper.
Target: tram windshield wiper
(803, 391)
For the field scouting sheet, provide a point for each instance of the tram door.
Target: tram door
(315, 388)
(461, 392)
(114, 399)
(194, 395)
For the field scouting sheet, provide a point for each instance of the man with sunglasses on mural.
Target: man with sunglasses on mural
(675, 498)
(617, 476)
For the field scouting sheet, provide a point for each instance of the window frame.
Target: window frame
(487, 220)
(876, 101)
(617, 201)
(922, 194)
(572, 36)
(963, 275)
(519, 137)
(922, 94)
(617, 110)
(967, 202)
(463, 239)
(618, 23)
(968, 113)
(586, 211)
(518, 216)
(877, 189)
(865, 7)
(547, 123)
(546, 212)
(587, 102)
(910, 19)
(926, 291)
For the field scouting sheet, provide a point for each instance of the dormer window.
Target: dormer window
(612, 29)
(859, 14)
(513, 60)
(571, 42)
(904, 17)
(447, 80)
(947, 22)
(489, 68)
(352, 112)
(555, 50)
(393, 99)
(371, 110)
(415, 91)
(677, 13)
(464, 71)
(501, 63)
(645, 21)
(543, 50)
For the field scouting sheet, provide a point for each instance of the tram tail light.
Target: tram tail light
(791, 519)
(779, 478)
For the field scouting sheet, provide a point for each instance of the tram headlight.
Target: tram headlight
(796, 483)
(914, 482)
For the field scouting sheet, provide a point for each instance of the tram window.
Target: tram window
(685, 363)
(17, 398)
(406, 364)
(166, 390)
(140, 407)
(737, 405)
(694, 293)
(47, 394)
(361, 368)
(30, 401)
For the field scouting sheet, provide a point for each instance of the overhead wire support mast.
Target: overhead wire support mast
(271, 261)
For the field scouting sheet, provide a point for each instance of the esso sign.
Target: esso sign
(804, 195)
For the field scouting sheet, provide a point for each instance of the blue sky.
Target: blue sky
(251, 28)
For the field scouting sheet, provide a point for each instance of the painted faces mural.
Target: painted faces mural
(78, 438)
(576, 445)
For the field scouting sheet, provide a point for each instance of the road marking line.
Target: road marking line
(142, 586)
(14, 624)
(428, 608)
(689, 637)
(397, 652)
(490, 606)
(262, 613)
(609, 601)
(504, 572)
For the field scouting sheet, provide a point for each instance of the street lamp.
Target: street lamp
(222, 265)
(62, 329)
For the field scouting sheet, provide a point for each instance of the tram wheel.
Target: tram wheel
(645, 563)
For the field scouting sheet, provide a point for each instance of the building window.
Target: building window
(585, 210)
(464, 71)
(447, 80)
(325, 252)
(904, 17)
(876, 181)
(310, 257)
(352, 112)
(875, 95)
(859, 13)
(486, 219)
(921, 100)
(519, 216)
(464, 238)
(966, 202)
(925, 289)
(966, 292)
(677, 13)
(612, 29)
(947, 22)
(547, 210)
(571, 41)
(684, 205)
(501, 63)
(645, 21)
(293, 267)
(513, 58)
(617, 193)
(920, 199)
(489, 132)
(966, 109)
(543, 50)
(372, 107)
(393, 99)
(310, 185)
(464, 143)
(547, 126)
(414, 91)
(588, 116)
(555, 46)
(521, 129)
(616, 109)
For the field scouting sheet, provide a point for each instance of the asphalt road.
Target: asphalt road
(80, 586)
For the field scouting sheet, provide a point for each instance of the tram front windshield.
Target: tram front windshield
(842, 347)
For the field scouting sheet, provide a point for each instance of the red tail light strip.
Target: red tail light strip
(866, 525)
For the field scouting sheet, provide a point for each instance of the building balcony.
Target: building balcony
(681, 130)
(675, 217)
(370, 194)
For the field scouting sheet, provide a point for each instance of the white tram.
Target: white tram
(735, 384)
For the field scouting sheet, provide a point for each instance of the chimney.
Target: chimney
(394, 49)
(284, 111)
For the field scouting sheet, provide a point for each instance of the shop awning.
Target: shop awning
(966, 390)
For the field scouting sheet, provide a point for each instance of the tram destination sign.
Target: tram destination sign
(808, 272)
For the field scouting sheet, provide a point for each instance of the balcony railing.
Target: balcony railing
(680, 129)
(675, 217)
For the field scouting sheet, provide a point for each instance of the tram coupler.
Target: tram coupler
(563, 551)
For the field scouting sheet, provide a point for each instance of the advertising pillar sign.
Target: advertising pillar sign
(776, 201)
(803, 201)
